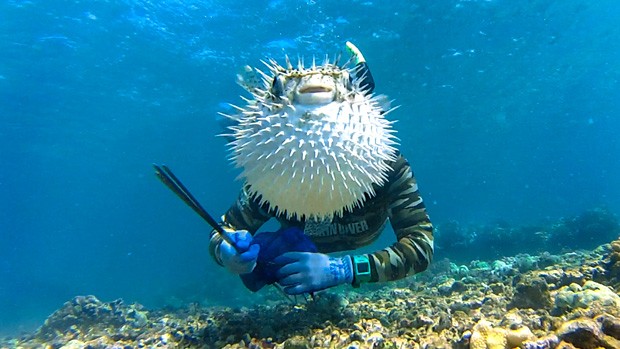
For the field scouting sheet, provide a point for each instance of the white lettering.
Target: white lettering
(333, 229)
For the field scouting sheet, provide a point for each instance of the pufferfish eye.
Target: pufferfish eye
(348, 80)
(277, 86)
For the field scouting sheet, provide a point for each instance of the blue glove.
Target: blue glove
(239, 263)
(306, 272)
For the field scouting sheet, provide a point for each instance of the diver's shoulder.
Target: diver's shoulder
(399, 162)
(400, 170)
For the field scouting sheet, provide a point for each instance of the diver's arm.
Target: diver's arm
(244, 214)
(413, 250)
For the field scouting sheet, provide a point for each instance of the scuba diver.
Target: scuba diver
(333, 180)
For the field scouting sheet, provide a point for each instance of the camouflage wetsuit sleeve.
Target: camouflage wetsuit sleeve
(245, 214)
(411, 253)
(413, 250)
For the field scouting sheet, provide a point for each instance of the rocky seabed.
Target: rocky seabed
(531, 302)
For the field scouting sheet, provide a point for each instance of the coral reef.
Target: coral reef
(575, 296)
(571, 302)
(588, 333)
(584, 231)
(530, 293)
(612, 265)
(485, 336)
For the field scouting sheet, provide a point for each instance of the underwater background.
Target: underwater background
(509, 113)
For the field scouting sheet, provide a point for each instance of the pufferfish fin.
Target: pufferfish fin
(250, 79)
(383, 101)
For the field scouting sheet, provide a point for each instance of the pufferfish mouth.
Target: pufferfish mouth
(315, 89)
(315, 94)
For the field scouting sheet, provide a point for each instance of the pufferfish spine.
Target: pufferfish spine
(307, 160)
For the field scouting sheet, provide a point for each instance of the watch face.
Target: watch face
(363, 268)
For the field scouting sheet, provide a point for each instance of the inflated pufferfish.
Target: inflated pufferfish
(310, 141)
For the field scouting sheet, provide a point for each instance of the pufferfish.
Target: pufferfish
(310, 141)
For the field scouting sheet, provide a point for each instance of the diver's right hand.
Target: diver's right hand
(235, 262)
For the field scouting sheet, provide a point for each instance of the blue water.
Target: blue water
(510, 110)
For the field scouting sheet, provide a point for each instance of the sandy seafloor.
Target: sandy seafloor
(540, 301)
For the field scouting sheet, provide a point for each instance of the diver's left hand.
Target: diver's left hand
(305, 272)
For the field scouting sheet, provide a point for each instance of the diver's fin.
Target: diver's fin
(356, 55)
